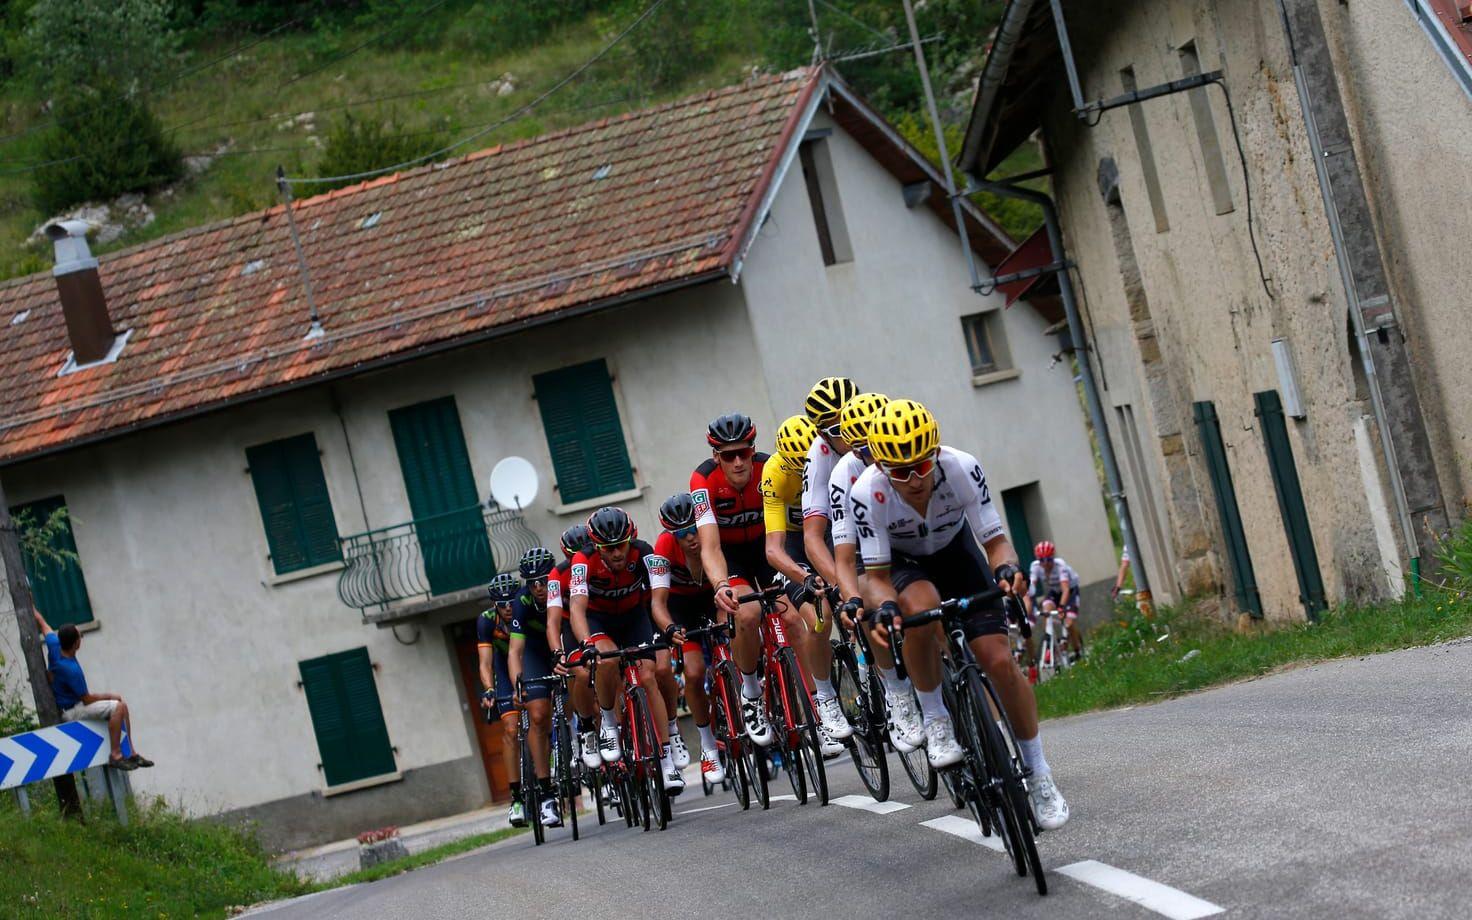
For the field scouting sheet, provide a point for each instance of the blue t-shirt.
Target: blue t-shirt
(68, 683)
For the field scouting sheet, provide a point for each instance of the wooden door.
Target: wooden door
(487, 736)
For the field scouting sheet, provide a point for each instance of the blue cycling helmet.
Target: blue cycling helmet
(536, 563)
(504, 588)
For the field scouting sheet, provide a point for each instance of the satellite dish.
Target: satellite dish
(514, 483)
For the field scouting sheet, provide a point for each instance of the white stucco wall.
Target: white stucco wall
(891, 320)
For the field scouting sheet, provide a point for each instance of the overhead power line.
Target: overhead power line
(360, 46)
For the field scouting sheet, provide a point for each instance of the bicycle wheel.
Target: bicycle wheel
(724, 726)
(979, 784)
(1004, 751)
(564, 779)
(784, 721)
(921, 773)
(650, 775)
(530, 792)
(809, 749)
(628, 801)
(595, 789)
(866, 746)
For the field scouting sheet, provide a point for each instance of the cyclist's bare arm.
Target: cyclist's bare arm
(659, 609)
(513, 662)
(999, 551)
(814, 529)
(1067, 585)
(845, 556)
(487, 667)
(579, 614)
(878, 589)
(776, 541)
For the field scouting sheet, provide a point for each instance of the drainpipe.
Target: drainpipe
(1393, 397)
(1086, 371)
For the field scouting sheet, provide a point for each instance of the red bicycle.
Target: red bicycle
(745, 763)
(640, 780)
(789, 703)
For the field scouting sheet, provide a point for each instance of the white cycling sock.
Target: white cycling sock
(932, 705)
(674, 727)
(1032, 755)
(751, 687)
(893, 683)
(610, 719)
(825, 689)
(707, 738)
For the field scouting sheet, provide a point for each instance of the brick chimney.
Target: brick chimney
(82, 302)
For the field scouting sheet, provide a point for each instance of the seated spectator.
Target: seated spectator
(69, 685)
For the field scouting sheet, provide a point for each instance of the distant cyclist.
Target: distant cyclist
(560, 639)
(530, 658)
(928, 530)
(1050, 578)
(493, 643)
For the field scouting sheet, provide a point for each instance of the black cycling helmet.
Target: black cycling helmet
(575, 539)
(536, 563)
(609, 525)
(677, 512)
(734, 428)
(504, 588)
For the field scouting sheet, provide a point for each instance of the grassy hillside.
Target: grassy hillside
(431, 73)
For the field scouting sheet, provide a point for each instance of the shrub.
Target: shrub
(97, 43)
(357, 145)
(105, 144)
(1456, 562)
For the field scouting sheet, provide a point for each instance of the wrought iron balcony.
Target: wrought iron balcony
(436, 557)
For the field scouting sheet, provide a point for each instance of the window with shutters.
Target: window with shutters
(342, 699)
(55, 574)
(295, 508)
(584, 434)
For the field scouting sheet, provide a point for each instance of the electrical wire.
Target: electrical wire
(487, 129)
(358, 47)
(32, 167)
(857, 21)
(1247, 189)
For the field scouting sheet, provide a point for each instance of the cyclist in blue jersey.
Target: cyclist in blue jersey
(531, 658)
(493, 643)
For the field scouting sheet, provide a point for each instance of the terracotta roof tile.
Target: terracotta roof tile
(504, 235)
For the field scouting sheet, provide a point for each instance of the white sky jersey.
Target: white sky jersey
(1053, 580)
(884, 521)
(658, 568)
(821, 460)
(845, 473)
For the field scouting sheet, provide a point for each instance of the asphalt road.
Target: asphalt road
(1335, 790)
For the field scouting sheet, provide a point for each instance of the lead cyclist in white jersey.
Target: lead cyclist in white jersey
(924, 514)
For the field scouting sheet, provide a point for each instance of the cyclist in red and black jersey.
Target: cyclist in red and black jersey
(726, 490)
(681, 598)
(608, 599)
(561, 640)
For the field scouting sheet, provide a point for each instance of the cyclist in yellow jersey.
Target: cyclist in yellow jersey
(782, 483)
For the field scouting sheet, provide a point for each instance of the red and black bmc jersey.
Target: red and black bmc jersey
(681, 581)
(739, 514)
(557, 581)
(626, 591)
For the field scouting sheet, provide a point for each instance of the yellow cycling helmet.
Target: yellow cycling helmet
(826, 398)
(903, 432)
(794, 437)
(857, 414)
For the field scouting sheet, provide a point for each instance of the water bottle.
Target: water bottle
(863, 667)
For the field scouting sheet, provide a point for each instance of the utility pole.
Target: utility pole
(12, 569)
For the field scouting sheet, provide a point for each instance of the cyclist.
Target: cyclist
(531, 658)
(906, 731)
(560, 640)
(1050, 578)
(609, 603)
(681, 599)
(782, 479)
(924, 515)
(493, 643)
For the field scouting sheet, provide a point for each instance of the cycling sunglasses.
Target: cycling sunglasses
(611, 546)
(731, 455)
(910, 470)
(863, 451)
(684, 531)
(834, 430)
(536, 581)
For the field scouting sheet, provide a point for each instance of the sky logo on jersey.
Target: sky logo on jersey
(701, 498)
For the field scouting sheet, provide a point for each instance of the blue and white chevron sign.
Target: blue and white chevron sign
(66, 748)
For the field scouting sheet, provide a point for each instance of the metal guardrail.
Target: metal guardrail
(431, 556)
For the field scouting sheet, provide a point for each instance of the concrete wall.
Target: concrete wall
(1209, 317)
(891, 319)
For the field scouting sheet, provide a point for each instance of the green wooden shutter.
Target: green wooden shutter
(347, 718)
(57, 585)
(1244, 580)
(1015, 509)
(295, 507)
(442, 495)
(1290, 502)
(584, 434)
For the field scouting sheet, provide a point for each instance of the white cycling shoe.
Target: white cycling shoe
(829, 746)
(710, 767)
(588, 741)
(941, 747)
(674, 783)
(1048, 804)
(678, 752)
(830, 711)
(906, 730)
(551, 814)
(754, 717)
(608, 746)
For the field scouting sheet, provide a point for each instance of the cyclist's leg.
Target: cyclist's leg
(511, 752)
(538, 699)
(608, 685)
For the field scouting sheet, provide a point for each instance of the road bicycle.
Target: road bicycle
(565, 769)
(861, 693)
(991, 778)
(789, 703)
(640, 777)
(744, 762)
(1053, 655)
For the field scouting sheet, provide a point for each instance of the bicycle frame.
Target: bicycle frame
(774, 640)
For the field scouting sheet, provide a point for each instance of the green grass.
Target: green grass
(1138, 660)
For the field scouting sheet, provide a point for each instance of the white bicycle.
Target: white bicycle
(1053, 653)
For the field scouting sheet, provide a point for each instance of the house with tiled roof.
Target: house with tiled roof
(275, 461)
(1262, 201)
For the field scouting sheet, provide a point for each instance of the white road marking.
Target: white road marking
(1163, 899)
(865, 803)
(696, 811)
(966, 829)
(783, 798)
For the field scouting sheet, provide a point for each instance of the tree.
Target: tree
(103, 143)
(125, 44)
